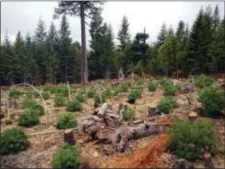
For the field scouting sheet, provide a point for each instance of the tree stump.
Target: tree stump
(192, 116)
(69, 137)
(208, 160)
(152, 111)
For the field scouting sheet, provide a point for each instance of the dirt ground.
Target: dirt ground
(148, 152)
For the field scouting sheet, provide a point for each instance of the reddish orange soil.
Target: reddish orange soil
(141, 158)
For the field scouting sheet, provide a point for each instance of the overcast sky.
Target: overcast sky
(23, 16)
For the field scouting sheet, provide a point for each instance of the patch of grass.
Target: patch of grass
(73, 106)
(167, 104)
(152, 86)
(213, 101)
(28, 103)
(45, 95)
(14, 94)
(29, 118)
(135, 94)
(12, 141)
(67, 157)
(80, 97)
(59, 101)
(60, 90)
(129, 114)
(202, 81)
(39, 108)
(123, 88)
(188, 139)
(66, 121)
(170, 90)
(90, 94)
(97, 99)
(164, 81)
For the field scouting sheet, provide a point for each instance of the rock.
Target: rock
(95, 154)
(187, 88)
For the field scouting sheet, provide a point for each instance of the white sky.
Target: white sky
(23, 16)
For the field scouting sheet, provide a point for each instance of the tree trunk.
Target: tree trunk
(84, 68)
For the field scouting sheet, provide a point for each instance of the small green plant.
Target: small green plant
(59, 100)
(134, 94)
(29, 118)
(73, 106)
(90, 94)
(39, 108)
(165, 81)
(202, 81)
(67, 157)
(170, 90)
(14, 94)
(28, 103)
(60, 90)
(212, 100)
(107, 93)
(129, 114)
(123, 88)
(12, 141)
(167, 104)
(66, 121)
(152, 86)
(45, 95)
(80, 97)
(188, 139)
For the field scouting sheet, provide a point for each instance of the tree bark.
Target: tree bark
(84, 68)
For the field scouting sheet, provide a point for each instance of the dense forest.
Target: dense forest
(50, 55)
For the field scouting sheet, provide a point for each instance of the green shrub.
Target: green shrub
(134, 94)
(129, 114)
(152, 86)
(66, 121)
(123, 88)
(74, 105)
(67, 157)
(29, 118)
(39, 108)
(170, 90)
(90, 94)
(35, 94)
(202, 81)
(188, 139)
(45, 95)
(14, 93)
(212, 100)
(167, 104)
(80, 97)
(59, 100)
(60, 90)
(28, 103)
(12, 141)
(107, 93)
(165, 81)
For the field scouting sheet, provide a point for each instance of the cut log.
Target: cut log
(69, 137)
(103, 110)
(138, 121)
(192, 116)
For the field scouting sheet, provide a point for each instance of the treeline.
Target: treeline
(52, 56)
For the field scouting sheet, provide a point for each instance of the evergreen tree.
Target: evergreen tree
(40, 53)
(123, 34)
(51, 61)
(64, 51)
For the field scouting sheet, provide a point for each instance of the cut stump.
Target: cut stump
(69, 137)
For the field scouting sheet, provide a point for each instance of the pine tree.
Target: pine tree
(123, 34)
(64, 50)
(51, 61)
(40, 53)
(78, 8)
